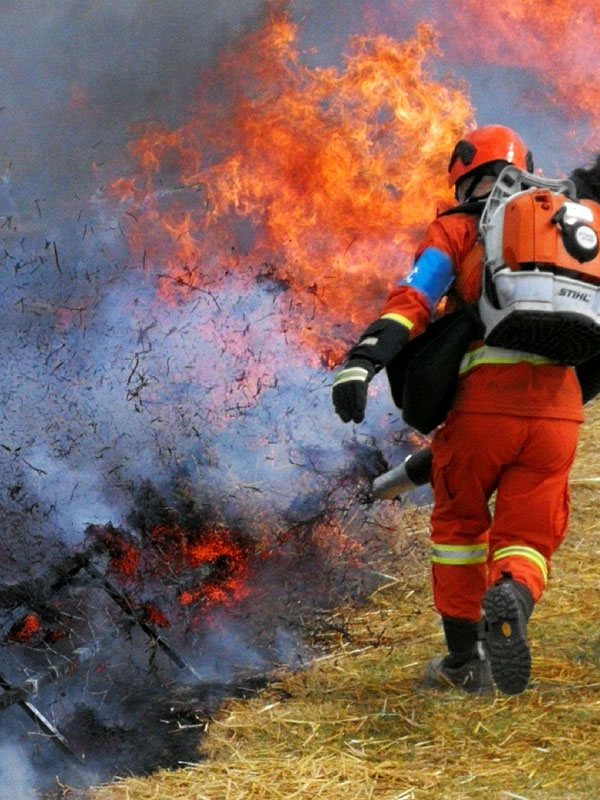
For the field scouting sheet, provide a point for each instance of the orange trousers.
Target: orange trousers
(526, 461)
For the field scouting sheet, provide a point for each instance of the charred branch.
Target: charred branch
(43, 722)
(37, 591)
(138, 617)
(80, 656)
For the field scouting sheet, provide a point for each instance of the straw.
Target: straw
(358, 724)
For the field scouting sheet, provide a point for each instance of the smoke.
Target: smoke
(16, 774)
(207, 401)
(76, 75)
(74, 491)
(101, 389)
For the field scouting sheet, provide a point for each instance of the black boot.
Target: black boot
(508, 606)
(466, 666)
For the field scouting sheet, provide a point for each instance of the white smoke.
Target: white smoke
(103, 388)
(16, 774)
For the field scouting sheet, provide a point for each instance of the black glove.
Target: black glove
(381, 341)
(349, 391)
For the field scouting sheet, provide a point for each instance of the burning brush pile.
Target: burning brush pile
(180, 507)
(118, 652)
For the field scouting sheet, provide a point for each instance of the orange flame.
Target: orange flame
(230, 563)
(175, 555)
(325, 175)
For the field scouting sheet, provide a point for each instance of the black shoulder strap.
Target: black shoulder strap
(474, 207)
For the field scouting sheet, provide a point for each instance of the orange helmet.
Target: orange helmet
(485, 145)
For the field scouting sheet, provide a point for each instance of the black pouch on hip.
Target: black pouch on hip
(423, 377)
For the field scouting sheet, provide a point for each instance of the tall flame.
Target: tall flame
(319, 179)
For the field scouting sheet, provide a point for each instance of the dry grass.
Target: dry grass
(356, 723)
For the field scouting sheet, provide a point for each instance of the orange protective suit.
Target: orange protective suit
(512, 430)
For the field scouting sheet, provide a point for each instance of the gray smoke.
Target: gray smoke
(101, 388)
(75, 75)
(105, 389)
(16, 774)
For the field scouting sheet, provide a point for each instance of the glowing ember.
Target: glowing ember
(208, 566)
(24, 630)
(124, 557)
(229, 562)
(155, 616)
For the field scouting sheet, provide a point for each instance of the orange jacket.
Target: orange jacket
(522, 388)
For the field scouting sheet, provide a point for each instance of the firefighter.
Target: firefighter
(512, 429)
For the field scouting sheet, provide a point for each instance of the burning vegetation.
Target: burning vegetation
(300, 176)
(142, 630)
(180, 509)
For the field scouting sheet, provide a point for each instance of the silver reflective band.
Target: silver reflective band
(498, 355)
(459, 554)
(351, 374)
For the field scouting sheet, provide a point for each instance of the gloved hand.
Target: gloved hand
(349, 391)
(382, 340)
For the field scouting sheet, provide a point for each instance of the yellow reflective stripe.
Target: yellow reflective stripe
(351, 374)
(399, 318)
(525, 552)
(498, 355)
(459, 553)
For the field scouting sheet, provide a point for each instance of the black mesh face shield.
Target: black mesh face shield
(466, 185)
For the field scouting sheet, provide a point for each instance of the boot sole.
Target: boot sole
(510, 659)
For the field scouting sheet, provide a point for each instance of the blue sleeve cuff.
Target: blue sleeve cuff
(431, 275)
